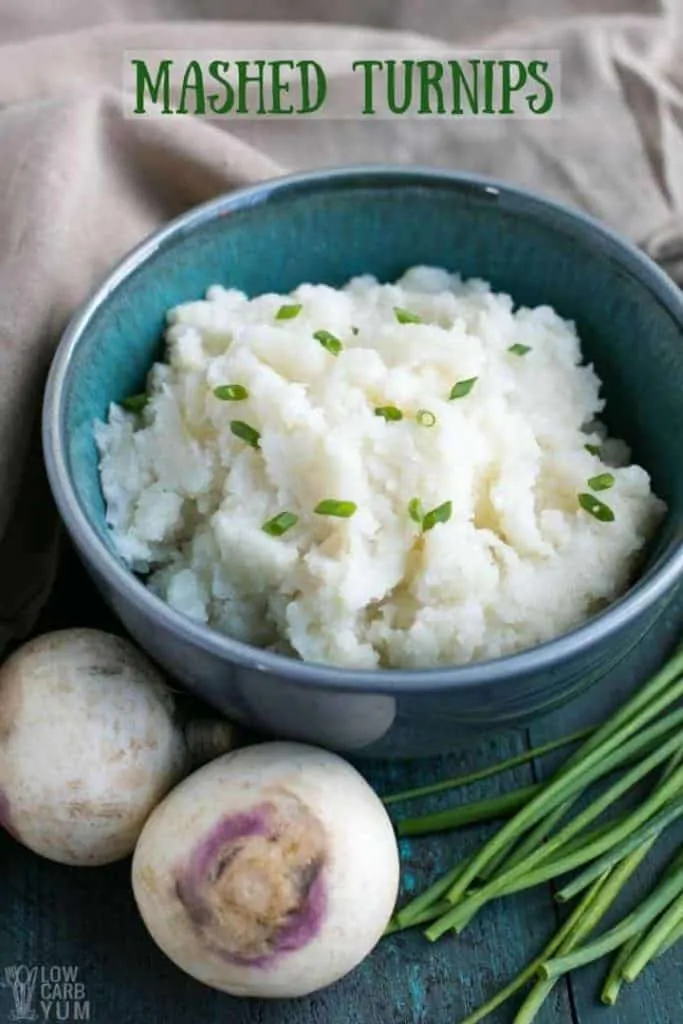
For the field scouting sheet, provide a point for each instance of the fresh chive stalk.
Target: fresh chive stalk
(464, 910)
(424, 917)
(643, 734)
(655, 694)
(515, 851)
(539, 834)
(535, 852)
(614, 980)
(531, 970)
(616, 749)
(594, 449)
(676, 933)
(486, 773)
(647, 833)
(661, 821)
(674, 936)
(648, 946)
(617, 851)
(629, 934)
(642, 917)
(658, 684)
(519, 350)
(605, 891)
(430, 897)
(581, 926)
(435, 891)
(637, 711)
(467, 814)
(616, 976)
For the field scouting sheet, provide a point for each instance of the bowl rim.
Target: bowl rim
(621, 614)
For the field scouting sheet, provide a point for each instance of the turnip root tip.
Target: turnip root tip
(208, 738)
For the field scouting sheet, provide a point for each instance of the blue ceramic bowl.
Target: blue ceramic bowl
(326, 227)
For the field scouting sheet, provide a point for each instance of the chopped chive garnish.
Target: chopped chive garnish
(389, 412)
(231, 392)
(601, 482)
(354, 330)
(332, 507)
(594, 449)
(280, 523)
(519, 350)
(288, 312)
(440, 514)
(596, 508)
(415, 511)
(329, 342)
(135, 403)
(245, 433)
(404, 316)
(462, 388)
(425, 418)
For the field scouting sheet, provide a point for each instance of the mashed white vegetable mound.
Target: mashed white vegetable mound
(518, 561)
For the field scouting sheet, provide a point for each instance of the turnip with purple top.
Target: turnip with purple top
(271, 872)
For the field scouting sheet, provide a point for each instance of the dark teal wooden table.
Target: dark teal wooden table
(82, 924)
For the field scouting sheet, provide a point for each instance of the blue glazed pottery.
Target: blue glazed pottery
(326, 227)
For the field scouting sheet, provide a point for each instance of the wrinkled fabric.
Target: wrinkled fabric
(80, 183)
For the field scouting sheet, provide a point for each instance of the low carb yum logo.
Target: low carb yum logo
(46, 994)
(21, 981)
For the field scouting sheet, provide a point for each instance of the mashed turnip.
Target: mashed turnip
(510, 559)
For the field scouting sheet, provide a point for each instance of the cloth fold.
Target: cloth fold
(80, 183)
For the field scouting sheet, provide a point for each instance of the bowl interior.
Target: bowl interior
(328, 229)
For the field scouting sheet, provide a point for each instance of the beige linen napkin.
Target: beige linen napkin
(80, 183)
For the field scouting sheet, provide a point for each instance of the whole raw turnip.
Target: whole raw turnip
(271, 872)
(89, 743)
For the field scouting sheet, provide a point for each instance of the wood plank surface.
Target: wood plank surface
(51, 915)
